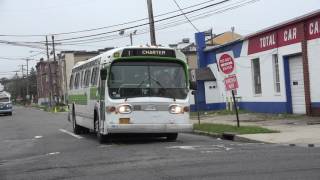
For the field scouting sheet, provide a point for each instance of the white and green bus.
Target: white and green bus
(131, 90)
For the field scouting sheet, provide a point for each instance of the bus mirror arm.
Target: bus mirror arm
(103, 74)
(193, 85)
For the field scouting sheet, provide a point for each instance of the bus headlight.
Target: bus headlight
(9, 105)
(124, 109)
(176, 109)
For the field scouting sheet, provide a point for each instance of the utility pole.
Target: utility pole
(55, 90)
(131, 39)
(53, 48)
(131, 36)
(22, 70)
(21, 91)
(151, 23)
(28, 96)
(50, 78)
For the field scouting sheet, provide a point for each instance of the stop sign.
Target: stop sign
(226, 64)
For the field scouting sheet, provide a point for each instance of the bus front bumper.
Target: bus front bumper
(5, 111)
(149, 128)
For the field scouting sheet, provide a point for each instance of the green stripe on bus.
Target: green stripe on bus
(79, 99)
(94, 93)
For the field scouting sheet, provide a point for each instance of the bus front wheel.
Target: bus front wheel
(172, 136)
(101, 137)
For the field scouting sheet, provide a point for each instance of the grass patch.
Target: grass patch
(221, 128)
(218, 112)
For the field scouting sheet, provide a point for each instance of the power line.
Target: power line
(167, 25)
(106, 27)
(196, 17)
(144, 24)
(81, 37)
(186, 16)
(163, 26)
(115, 37)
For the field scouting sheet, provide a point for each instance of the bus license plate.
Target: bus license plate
(124, 120)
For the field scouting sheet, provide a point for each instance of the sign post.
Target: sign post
(227, 69)
(193, 79)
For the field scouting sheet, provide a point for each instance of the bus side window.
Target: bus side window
(94, 76)
(82, 79)
(76, 81)
(87, 78)
(71, 82)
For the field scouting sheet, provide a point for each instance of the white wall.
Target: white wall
(69, 58)
(314, 68)
(212, 92)
(245, 77)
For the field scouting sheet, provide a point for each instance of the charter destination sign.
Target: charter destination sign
(148, 52)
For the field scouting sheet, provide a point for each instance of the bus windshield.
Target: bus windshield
(4, 99)
(147, 79)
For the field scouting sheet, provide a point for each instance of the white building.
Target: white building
(276, 68)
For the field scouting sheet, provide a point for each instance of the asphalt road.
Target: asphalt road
(37, 145)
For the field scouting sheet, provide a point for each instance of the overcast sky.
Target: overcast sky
(41, 17)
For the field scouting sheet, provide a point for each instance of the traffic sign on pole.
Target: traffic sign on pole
(227, 69)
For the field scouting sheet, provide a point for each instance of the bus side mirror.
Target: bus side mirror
(103, 74)
(193, 85)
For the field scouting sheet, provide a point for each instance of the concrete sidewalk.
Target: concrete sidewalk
(298, 130)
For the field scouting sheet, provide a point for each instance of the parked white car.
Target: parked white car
(5, 103)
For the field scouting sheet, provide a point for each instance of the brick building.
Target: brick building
(47, 85)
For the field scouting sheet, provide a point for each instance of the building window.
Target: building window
(276, 74)
(256, 76)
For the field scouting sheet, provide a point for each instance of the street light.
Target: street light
(131, 34)
(122, 32)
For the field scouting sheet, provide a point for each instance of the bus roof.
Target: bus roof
(155, 51)
(4, 94)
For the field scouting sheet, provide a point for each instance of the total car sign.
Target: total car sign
(227, 69)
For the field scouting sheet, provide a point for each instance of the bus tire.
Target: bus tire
(76, 128)
(172, 136)
(101, 137)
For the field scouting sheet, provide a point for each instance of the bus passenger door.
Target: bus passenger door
(102, 87)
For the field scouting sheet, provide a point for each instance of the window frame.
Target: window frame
(254, 82)
(77, 80)
(87, 75)
(71, 81)
(94, 76)
(276, 74)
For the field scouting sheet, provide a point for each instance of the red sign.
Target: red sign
(290, 35)
(226, 64)
(231, 82)
(262, 43)
(313, 28)
(287, 35)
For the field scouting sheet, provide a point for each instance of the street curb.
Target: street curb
(203, 133)
(234, 137)
(248, 140)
